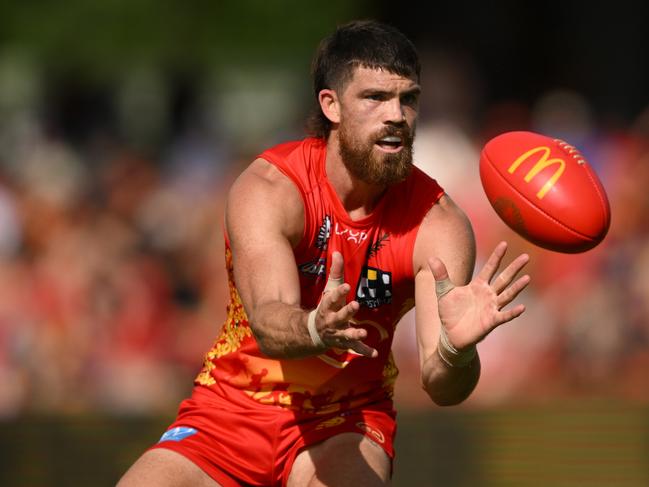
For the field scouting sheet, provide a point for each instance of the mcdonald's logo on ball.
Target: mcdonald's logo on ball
(545, 190)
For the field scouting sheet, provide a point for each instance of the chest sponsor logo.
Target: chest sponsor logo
(374, 287)
(358, 237)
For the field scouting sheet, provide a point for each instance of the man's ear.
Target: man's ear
(330, 105)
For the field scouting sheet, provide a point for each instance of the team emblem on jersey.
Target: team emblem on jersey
(315, 267)
(374, 287)
(324, 233)
(378, 245)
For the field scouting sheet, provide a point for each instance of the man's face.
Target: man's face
(378, 112)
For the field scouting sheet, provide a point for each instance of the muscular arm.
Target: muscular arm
(464, 310)
(445, 233)
(265, 221)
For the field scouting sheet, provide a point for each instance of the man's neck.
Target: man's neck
(357, 197)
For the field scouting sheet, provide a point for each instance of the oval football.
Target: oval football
(545, 190)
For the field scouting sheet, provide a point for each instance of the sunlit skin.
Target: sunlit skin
(373, 104)
(373, 117)
(375, 98)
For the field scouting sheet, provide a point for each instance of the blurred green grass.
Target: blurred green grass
(583, 444)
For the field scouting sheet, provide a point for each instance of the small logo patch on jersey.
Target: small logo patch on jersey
(322, 240)
(358, 237)
(177, 434)
(316, 267)
(378, 245)
(374, 287)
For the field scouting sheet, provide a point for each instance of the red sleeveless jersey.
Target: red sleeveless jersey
(378, 264)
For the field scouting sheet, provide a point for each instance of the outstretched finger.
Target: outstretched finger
(349, 338)
(335, 298)
(510, 293)
(509, 314)
(490, 268)
(352, 338)
(363, 349)
(338, 336)
(347, 312)
(505, 278)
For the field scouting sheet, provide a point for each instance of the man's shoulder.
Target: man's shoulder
(295, 148)
(419, 177)
(417, 191)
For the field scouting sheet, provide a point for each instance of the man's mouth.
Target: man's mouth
(390, 143)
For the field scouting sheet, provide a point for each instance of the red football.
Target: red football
(545, 190)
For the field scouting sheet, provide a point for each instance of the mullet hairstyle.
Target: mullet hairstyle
(361, 43)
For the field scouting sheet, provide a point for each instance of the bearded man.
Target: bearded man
(330, 240)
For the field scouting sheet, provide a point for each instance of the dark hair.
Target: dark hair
(361, 43)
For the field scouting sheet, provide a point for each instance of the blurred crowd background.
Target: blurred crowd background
(122, 124)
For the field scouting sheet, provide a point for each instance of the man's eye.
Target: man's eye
(375, 97)
(409, 99)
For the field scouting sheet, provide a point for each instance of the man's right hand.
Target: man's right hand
(333, 314)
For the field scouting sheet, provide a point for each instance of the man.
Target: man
(330, 240)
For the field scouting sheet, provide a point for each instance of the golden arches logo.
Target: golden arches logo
(543, 162)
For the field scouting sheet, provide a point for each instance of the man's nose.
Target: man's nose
(394, 111)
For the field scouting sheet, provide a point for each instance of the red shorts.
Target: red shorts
(238, 441)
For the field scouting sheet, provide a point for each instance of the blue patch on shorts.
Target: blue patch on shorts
(178, 433)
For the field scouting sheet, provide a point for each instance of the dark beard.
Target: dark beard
(384, 169)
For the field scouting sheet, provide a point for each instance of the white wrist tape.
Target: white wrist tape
(451, 355)
(313, 331)
(442, 288)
